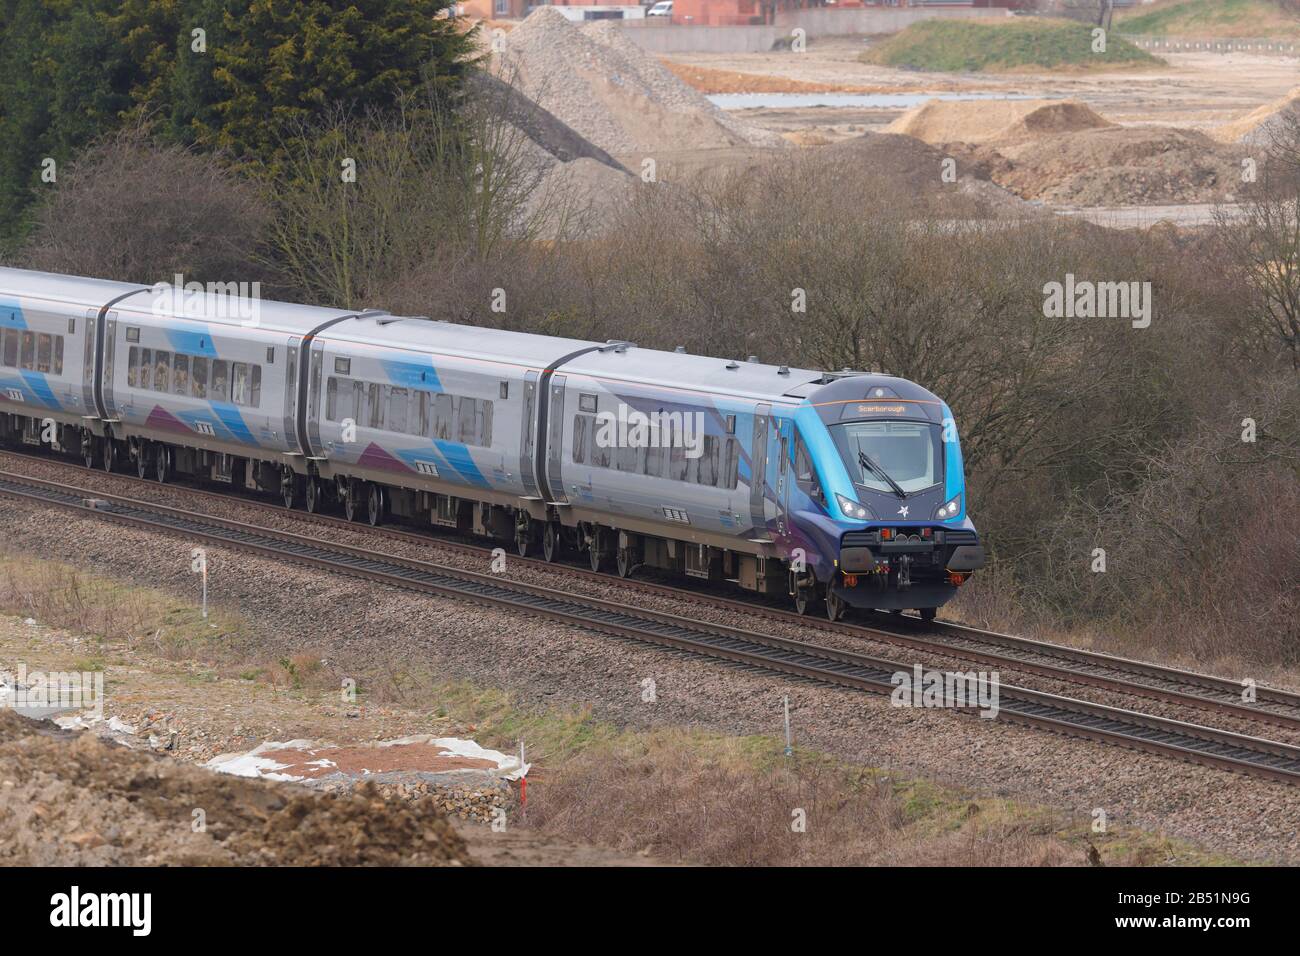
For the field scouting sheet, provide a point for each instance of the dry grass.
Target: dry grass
(708, 80)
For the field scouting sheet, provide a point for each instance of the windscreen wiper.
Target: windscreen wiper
(868, 463)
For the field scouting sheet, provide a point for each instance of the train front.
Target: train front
(893, 502)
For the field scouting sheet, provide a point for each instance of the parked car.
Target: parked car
(664, 8)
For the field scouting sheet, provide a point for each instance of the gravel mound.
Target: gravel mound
(613, 93)
(578, 199)
(983, 121)
(1260, 127)
(76, 800)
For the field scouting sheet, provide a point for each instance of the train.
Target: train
(830, 490)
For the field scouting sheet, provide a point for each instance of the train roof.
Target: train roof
(612, 361)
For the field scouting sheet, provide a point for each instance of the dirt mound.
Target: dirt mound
(984, 121)
(1114, 167)
(612, 93)
(577, 199)
(1260, 126)
(914, 171)
(75, 800)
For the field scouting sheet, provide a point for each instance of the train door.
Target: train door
(758, 471)
(784, 430)
(313, 397)
(555, 441)
(527, 434)
(110, 350)
(88, 369)
(291, 393)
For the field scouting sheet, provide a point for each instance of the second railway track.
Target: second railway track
(1193, 742)
(1204, 692)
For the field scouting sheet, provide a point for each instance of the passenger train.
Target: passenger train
(837, 490)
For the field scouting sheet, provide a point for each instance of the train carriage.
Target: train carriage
(837, 489)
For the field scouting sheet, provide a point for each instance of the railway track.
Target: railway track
(1192, 742)
(1204, 692)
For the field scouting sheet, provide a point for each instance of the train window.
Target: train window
(255, 387)
(58, 355)
(10, 347)
(677, 462)
(162, 366)
(707, 463)
(270, 355)
(181, 375)
(581, 432)
(422, 404)
(803, 470)
(731, 424)
(443, 410)
(132, 333)
(240, 384)
(586, 403)
(343, 366)
(485, 423)
(374, 408)
(199, 378)
(467, 421)
(505, 390)
(220, 387)
(29, 350)
(397, 410)
(332, 399)
(601, 453)
(133, 366)
(731, 468)
(72, 326)
(655, 456)
(358, 402)
(146, 367)
(44, 352)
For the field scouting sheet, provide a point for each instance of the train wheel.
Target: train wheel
(162, 464)
(927, 613)
(524, 537)
(110, 455)
(313, 490)
(551, 541)
(595, 551)
(142, 461)
(375, 505)
(624, 563)
(350, 494)
(805, 600)
(288, 487)
(88, 449)
(835, 605)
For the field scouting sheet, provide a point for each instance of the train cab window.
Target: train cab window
(181, 375)
(162, 366)
(219, 391)
(146, 368)
(803, 469)
(44, 353)
(29, 351)
(10, 348)
(199, 378)
(58, 354)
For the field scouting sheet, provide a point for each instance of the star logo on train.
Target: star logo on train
(903, 511)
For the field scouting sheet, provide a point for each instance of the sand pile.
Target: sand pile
(1260, 127)
(612, 93)
(579, 199)
(1114, 166)
(70, 799)
(986, 121)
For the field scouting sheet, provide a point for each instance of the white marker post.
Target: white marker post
(789, 750)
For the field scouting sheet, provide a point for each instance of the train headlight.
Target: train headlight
(950, 510)
(853, 509)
